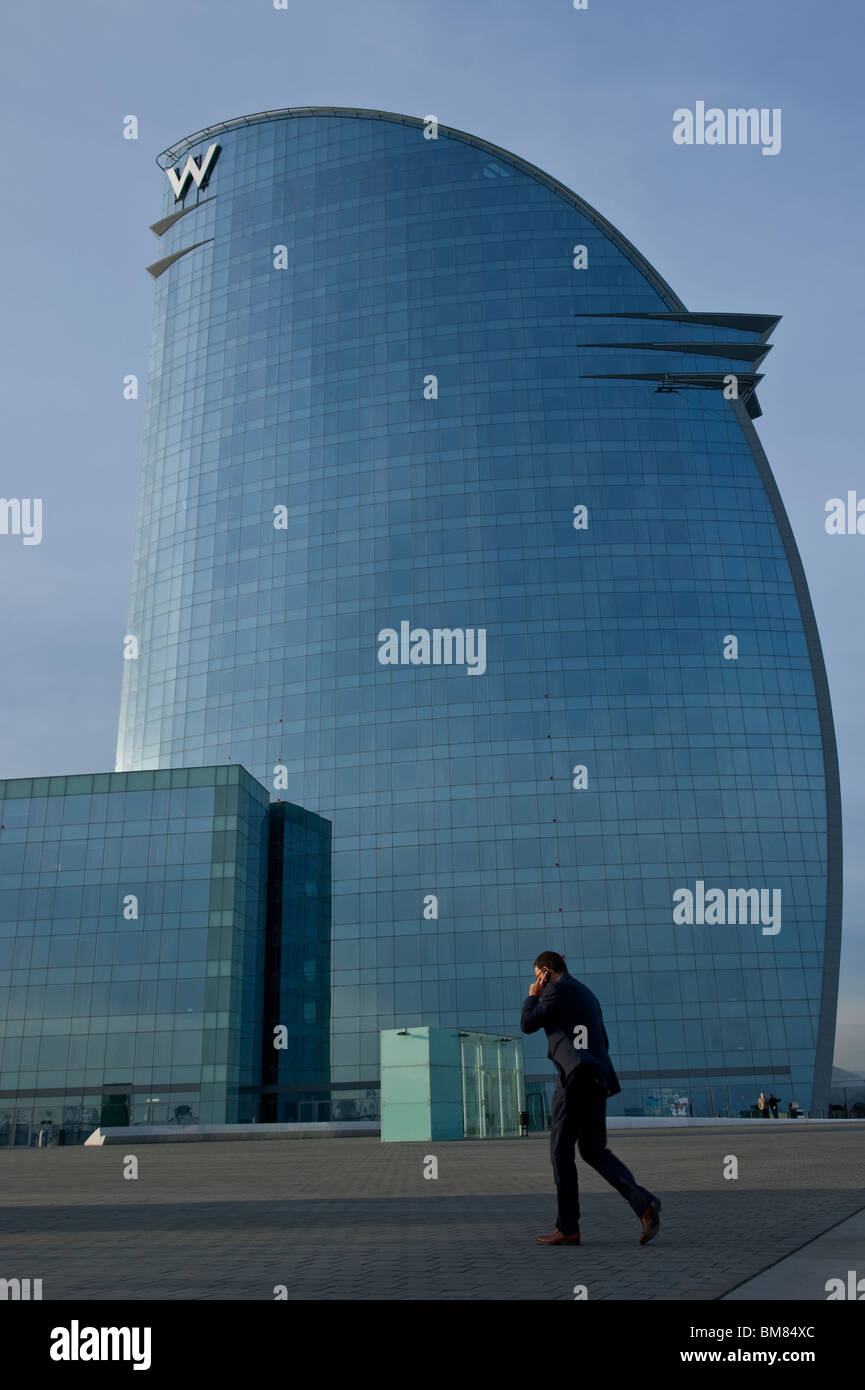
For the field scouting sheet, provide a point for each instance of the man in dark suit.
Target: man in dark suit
(577, 1044)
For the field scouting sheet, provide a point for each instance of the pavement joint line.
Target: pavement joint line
(795, 1251)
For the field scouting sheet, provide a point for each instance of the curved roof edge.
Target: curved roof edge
(168, 158)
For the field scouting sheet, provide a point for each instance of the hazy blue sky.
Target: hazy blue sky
(586, 95)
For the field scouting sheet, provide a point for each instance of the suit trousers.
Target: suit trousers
(578, 1118)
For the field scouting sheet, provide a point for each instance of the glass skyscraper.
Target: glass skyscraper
(454, 529)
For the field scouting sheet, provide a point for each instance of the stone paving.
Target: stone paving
(356, 1219)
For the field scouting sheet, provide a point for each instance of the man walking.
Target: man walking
(577, 1044)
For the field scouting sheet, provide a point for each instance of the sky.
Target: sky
(587, 95)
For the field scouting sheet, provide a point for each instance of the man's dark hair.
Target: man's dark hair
(551, 960)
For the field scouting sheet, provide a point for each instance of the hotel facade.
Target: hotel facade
(455, 530)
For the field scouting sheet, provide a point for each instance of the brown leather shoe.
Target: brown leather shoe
(558, 1239)
(650, 1222)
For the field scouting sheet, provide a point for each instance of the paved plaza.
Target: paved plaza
(357, 1219)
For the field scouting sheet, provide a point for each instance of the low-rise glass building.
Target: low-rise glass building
(135, 931)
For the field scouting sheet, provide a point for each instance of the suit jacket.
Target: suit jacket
(563, 1005)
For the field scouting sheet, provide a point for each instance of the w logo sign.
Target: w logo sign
(199, 173)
